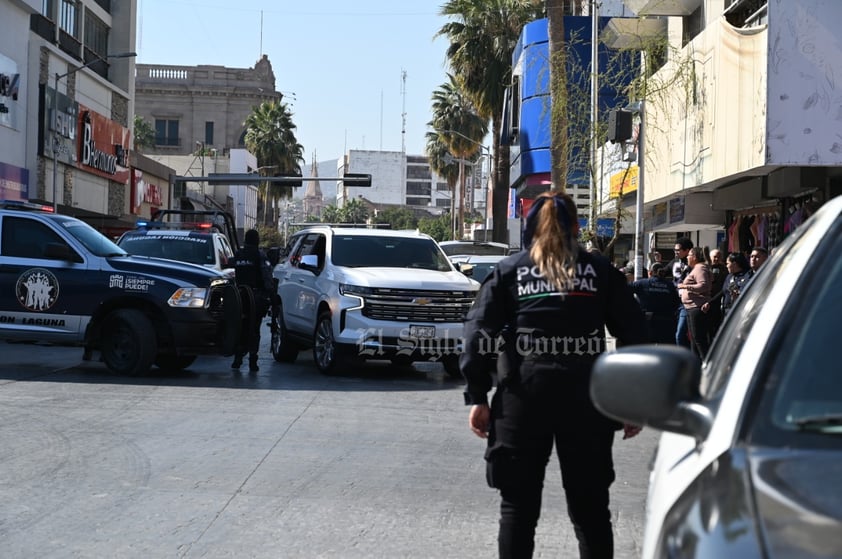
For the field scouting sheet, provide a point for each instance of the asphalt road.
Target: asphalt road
(376, 462)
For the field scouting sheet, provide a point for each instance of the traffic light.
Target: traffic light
(356, 179)
(619, 125)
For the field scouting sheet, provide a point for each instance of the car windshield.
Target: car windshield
(357, 251)
(93, 240)
(452, 248)
(195, 250)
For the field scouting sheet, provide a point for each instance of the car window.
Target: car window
(388, 252)
(304, 247)
(27, 238)
(289, 248)
(192, 249)
(92, 239)
(802, 394)
(732, 336)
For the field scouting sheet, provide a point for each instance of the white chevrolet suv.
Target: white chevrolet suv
(356, 294)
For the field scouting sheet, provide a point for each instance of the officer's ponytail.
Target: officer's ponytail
(551, 229)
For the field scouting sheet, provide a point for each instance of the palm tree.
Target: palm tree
(458, 125)
(444, 165)
(270, 136)
(483, 35)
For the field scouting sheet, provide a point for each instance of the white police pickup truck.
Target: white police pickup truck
(63, 282)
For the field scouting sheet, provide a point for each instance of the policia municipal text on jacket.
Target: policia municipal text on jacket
(548, 306)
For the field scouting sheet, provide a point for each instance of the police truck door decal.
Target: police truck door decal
(37, 289)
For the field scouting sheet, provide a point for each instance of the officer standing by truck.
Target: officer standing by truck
(551, 304)
(252, 269)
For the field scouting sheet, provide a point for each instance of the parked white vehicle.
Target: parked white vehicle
(358, 294)
(749, 461)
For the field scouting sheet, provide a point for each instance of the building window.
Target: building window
(209, 133)
(68, 17)
(418, 188)
(166, 132)
(747, 13)
(417, 201)
(442, 186)
(693, 25)
(96, 35)
(418, 172)
(47, 9)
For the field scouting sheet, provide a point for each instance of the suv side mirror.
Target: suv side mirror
(465, 268)
(309, 262)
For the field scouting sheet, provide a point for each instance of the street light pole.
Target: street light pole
(638, 221)
(54, 115)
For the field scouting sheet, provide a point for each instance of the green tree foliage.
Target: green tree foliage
(331, 214)
(398, 218)
(144, 134)
(354, 211)
(269, 236)
(483, 35)
(436, 227)
(270, 136)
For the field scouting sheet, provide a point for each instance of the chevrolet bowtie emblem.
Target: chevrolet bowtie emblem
(422, 301)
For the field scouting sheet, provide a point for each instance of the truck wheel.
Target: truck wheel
(284, 350)
(128, 342)
(324, 345)
(451, 366)
(170, 362)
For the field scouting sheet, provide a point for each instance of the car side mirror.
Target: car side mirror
(465, 268)
(309, 262)
(653, 385)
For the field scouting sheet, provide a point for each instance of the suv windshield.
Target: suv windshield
(452, 248)
(93, 240)
(388, 252)
(193, 249)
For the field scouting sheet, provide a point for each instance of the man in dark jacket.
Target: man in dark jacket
(658, 297)
(252, 269)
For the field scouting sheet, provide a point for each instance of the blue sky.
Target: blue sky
(342, 59)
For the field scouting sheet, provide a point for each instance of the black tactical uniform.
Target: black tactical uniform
(552, 338)
(252, 269)
(659, 300)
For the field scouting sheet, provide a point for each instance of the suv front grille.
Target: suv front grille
(412, 305)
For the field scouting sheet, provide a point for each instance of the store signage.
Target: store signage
(14, 182)
(61, 116)
(143, 191)
(103, 146)
(9, 89)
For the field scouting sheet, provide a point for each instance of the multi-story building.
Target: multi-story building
(401, 179)
(742, 142)
(195, 108)
(65, 105)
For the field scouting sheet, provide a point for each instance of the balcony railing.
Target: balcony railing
(43, 27)
(69, 44)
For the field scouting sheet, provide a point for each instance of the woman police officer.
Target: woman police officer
(548, 306)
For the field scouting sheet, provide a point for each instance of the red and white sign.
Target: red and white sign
(103, 146)
(144, 192)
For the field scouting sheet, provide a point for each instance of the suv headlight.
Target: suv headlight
(359, 291)
(190, 297)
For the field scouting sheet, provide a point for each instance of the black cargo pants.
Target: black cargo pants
(547, 405)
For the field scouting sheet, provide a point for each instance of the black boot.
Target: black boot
(238, 362)
(253, 368)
